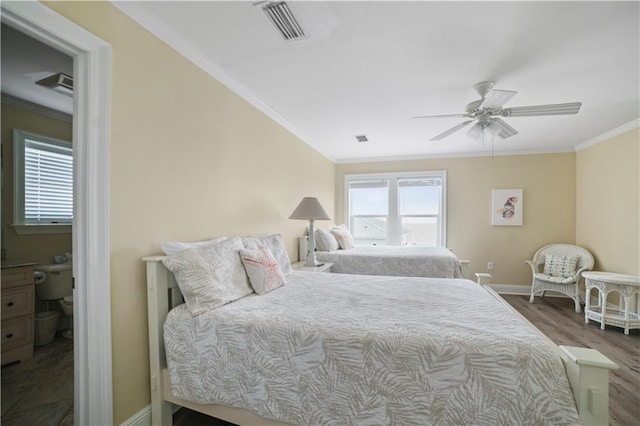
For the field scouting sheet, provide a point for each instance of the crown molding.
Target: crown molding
(608, 135)
(36, 108)
(455, 155)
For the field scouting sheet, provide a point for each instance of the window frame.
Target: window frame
(20, 225)
(393, 214)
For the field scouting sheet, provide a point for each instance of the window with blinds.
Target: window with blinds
(397, 208)
(43, 180)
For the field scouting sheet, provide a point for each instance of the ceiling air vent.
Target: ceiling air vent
(281, 16)
(60, 82)
(362, 138)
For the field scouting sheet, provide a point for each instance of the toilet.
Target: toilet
(55, 282)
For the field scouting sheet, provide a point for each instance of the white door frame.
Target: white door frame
(93, 387)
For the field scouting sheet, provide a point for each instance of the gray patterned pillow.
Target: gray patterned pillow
(560, 266)
(210, 276)
(275, 243)
(173, 248)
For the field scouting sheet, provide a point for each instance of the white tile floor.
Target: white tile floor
(40, 391)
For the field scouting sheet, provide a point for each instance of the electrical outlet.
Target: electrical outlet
(489, 266)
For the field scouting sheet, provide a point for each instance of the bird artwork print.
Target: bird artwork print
(509, 208)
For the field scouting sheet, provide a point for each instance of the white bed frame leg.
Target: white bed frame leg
(587, 371)
(157, 303)
(483, 278)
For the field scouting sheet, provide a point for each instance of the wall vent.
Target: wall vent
(60, 82)
(284, 21)
(362, 138)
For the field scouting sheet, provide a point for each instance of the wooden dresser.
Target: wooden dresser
(18, 293)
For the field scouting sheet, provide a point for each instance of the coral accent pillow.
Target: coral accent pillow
(210, 276)
(275, 243)
(560, 266)
(343, 236)
(263, 269)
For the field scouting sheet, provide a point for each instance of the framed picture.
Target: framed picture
(508, 206)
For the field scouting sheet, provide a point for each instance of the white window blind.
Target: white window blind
(43, 180)
(48, 183)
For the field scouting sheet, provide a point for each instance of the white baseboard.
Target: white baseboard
(511, 289)
(141, 418)
(525, 290)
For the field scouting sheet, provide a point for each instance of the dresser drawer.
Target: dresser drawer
(15, 277)
(17, 332)
(17, 302)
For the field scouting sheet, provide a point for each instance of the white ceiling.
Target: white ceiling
(25, 61)
(367, 67)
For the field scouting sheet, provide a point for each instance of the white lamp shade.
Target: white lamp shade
(309, 208)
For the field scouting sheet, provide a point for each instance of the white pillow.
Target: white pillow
(342, 234)
(325, 241)
(275, 243)
(174, 248)
(263, 269)
(210, 276)
(560, 266)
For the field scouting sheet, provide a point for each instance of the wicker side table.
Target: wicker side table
(626, 316)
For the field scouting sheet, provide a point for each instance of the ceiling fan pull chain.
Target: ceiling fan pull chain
(492, 152)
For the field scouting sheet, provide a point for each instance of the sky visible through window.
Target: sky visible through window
(413, 200)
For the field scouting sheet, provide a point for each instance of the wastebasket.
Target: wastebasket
(46, 325)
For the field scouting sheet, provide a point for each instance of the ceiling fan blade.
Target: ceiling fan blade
(553, 109)
(496, 98)
(451, 130)
(441, 116)
(505, 131)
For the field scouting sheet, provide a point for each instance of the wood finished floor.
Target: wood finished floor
(555, 317)
(39, 391)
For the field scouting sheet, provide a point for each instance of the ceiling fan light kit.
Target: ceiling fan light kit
(485, 113)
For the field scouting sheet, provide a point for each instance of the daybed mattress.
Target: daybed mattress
(350, 349)
(434, 262)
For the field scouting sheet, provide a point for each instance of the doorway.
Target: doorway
(37, 202)
(93, 399)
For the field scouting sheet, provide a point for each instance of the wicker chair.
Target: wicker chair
(570, 284)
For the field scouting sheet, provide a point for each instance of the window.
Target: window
(397, 208)
(43, 181)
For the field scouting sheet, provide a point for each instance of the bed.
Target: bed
(242, 402)
(433, 262)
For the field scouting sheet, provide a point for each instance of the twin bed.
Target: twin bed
(432, 262)
(351, 349)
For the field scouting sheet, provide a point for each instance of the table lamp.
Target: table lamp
(310, 209)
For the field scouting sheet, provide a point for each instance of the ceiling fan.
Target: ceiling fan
(485, 113)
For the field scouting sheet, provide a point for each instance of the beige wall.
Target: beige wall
(191, 160)
(41, 247)
(548, 183)
(607, 193)
(188, 160)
